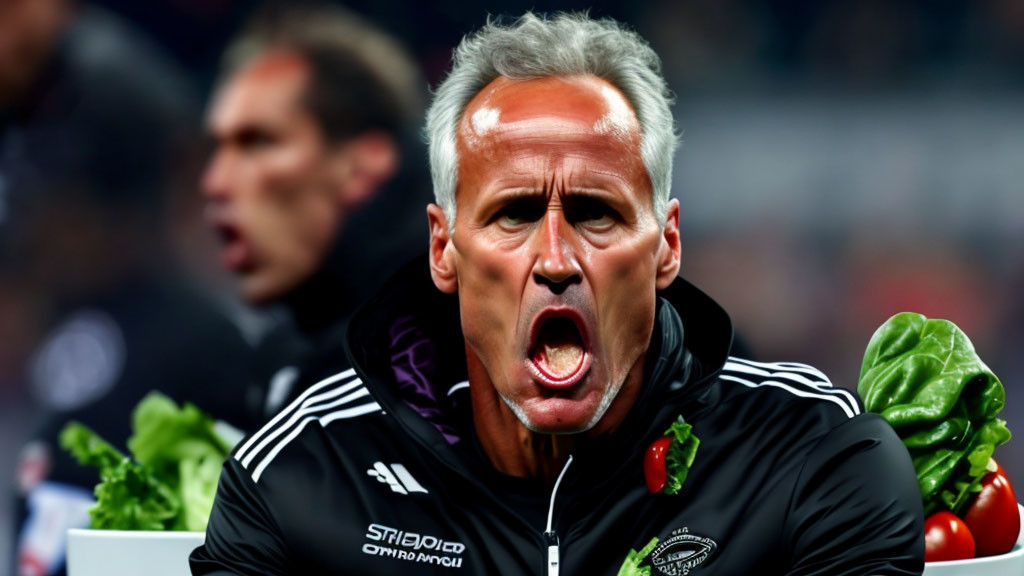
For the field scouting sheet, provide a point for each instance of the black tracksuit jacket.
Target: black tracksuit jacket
(376, 470)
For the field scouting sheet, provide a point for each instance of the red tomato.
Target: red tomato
(655, 472)
(946, 537)
(993, 518)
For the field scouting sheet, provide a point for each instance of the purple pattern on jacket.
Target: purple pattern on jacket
(412, 363)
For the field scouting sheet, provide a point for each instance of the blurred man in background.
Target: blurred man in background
(94, 123)
(317, 182)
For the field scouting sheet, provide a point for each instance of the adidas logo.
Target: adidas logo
(397, 477)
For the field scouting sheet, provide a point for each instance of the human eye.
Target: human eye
(591, 213)
(518, 213)
(255, 139)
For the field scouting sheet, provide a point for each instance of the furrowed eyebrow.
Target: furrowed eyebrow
(519, 193)
(512, 196)
(575, 192)
(576, 195)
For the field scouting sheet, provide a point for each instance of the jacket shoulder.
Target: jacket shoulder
(341, 397)
(787, 384)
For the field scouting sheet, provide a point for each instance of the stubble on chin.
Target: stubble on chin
(607, 398)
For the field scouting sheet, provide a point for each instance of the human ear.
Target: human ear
(442, 259)
(669, 250)
(372, 159)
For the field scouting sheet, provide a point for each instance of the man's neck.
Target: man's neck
(511, 447)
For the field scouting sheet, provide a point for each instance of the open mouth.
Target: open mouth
(234, 251)
(559, 355)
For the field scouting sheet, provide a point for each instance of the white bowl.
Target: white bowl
(128, 553)
(1009, 564)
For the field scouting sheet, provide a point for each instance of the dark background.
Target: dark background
(842, 161)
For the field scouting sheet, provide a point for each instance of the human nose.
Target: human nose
(556, 265)
(216, 180)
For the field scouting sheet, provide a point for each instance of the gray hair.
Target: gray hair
(568, 44)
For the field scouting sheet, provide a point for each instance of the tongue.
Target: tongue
(559, 349)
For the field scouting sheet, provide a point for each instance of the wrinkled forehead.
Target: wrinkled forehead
(546, 108)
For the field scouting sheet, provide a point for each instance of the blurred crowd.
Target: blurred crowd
(194, 194)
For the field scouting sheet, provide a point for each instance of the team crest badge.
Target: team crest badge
(680, 553)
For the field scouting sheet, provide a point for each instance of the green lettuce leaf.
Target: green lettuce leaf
(180, 444)
(925, 378)
(172, 482)
(89, 449)
(198, 488)
(164, 435)
(631, 566)
(129, 496)
(680, 456)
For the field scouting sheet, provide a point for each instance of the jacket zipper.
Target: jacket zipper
(550, 536)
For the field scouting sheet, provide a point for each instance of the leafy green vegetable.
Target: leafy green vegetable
(198, 488)
(171, 483)
(129, 496)
(680, 455)
(631, 566)
(925, 378)
(181, 446)
(165, 435)
(88, 448)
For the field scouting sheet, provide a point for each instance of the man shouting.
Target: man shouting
(541, 393)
